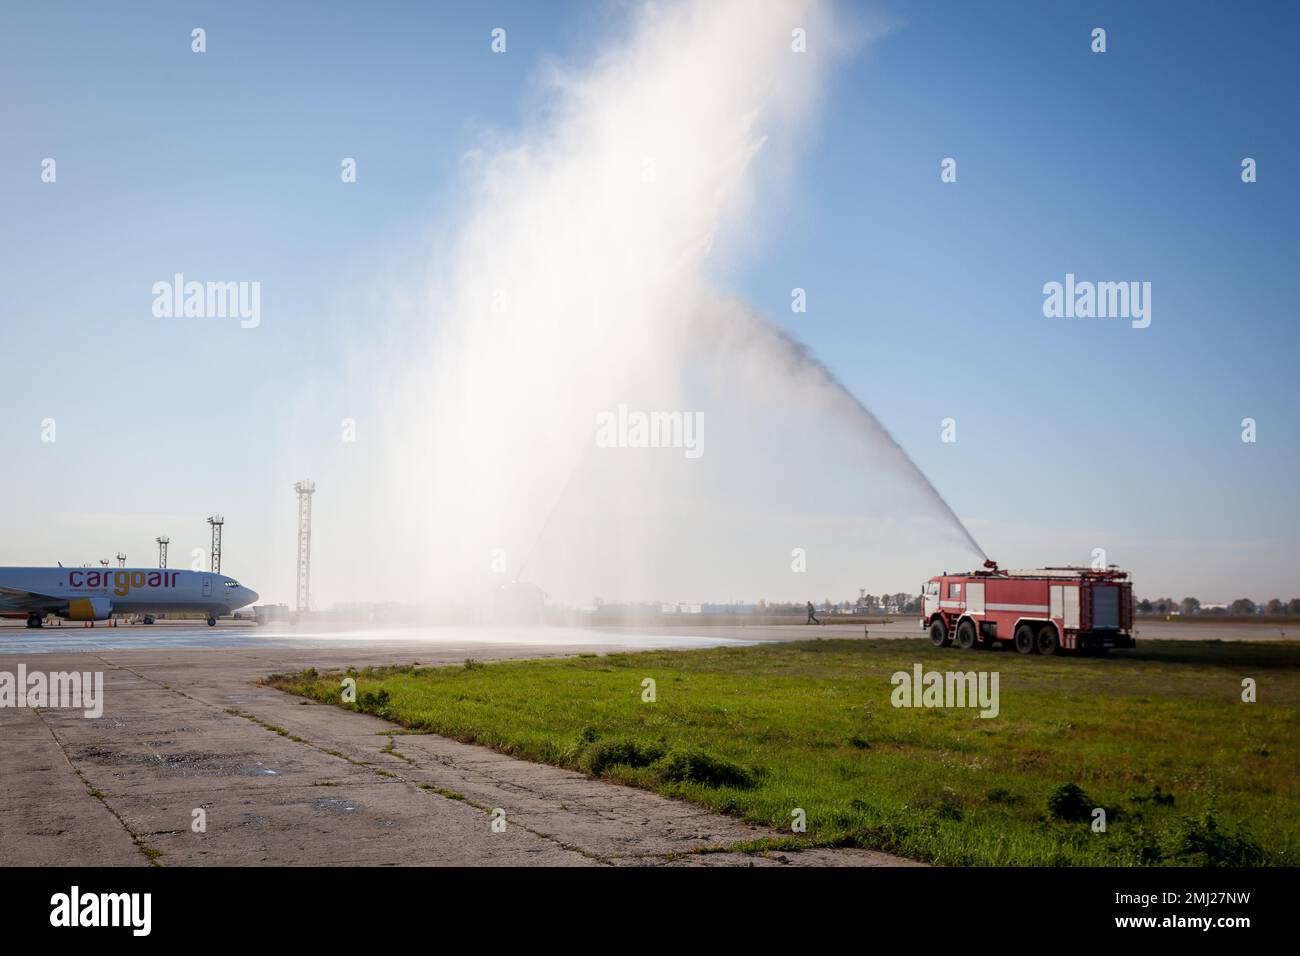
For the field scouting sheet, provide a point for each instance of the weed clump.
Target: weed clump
(372, 703)
(1069, 802)
(697, 766)
(604, 754)
(1200, 841)
(1191, 841)
(1156, 797)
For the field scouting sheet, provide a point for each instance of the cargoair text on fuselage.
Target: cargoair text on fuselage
(96, 594)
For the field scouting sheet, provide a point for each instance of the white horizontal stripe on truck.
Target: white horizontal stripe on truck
(1028, 608)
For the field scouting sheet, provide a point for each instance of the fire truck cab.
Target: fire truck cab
(1045, 611)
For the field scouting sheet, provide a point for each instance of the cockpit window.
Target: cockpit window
(232, 584)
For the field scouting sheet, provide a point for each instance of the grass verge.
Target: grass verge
(1160, 738)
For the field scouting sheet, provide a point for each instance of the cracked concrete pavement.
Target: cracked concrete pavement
(188, 729)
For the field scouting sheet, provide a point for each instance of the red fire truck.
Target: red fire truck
(1046, 611)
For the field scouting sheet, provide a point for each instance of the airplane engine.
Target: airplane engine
(89, 609)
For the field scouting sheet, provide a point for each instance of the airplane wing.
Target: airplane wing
(29, 600)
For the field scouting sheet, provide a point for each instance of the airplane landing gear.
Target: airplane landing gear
(148, 619)
(35, 620)
(212, 622)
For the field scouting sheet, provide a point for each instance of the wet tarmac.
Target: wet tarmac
(525, 641)
(541, 640)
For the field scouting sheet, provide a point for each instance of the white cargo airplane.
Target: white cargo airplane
(95, 594)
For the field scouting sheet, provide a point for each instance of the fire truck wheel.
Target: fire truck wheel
(939, 634)
(1025, 642)
(1049, 642)
(965, 635)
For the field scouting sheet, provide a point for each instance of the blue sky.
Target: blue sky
(924, 297)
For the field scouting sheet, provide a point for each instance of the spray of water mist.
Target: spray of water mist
(578, 280)
(800, 363)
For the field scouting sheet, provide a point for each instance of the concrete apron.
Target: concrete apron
(188, 729)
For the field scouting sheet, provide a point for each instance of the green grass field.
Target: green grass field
(1188, 773)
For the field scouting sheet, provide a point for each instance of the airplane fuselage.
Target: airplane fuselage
(89, 594)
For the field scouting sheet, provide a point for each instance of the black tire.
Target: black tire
(148, 618)
(939, 633)
(1025, 640)
(1049, 641)
(212, 622)
(966, 635)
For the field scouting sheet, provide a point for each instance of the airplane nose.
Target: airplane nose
(250, 596)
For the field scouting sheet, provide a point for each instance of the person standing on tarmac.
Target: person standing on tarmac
(811, 618)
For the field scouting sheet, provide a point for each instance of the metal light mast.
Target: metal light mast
(162, 550)
(216, 521)
(305, 490)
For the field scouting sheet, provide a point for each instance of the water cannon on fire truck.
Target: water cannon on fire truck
(1044, 611)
